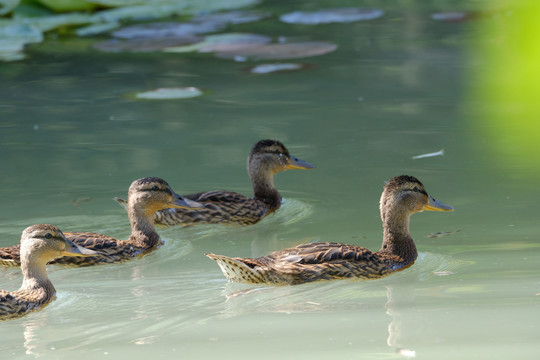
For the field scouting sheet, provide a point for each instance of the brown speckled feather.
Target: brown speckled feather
(147, 195)
(402, 196)
(110, 250)
(18, 303)
(10, 256)
(220, 207)
(309, 262)
(267, 157)
(39, 244)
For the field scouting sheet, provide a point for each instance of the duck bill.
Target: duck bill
(434, 205)
(184, 203)
(296, 163)
(76, 250)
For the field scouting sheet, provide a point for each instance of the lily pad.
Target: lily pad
(41, 19)
(138, 12)
(46, 23)
(279, 51)
(126, 3)
(144, 45)
(166, 29)
(280, 67)
(231, 17)
(68, 5)
(223, 42)
(342, 15)
(99, 28)
(169, 93)
(136, 9)
(14, 37)
(7, 6)
(191, 6)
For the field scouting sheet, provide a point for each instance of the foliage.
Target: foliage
(24, 23)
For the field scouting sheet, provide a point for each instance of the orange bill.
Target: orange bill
(434, 205)
(296, 163)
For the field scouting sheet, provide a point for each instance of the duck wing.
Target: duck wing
(220, 207)
(10, 306)
(217, 196)
(325, 253)
(10, 256)
(110, 250)
(328, 261)
(305, 263)
(16, 304)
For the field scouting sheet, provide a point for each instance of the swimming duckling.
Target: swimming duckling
(146, 196)
(39, 244)
(402, 196)
(267, 157)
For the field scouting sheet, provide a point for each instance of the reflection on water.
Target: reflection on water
(31, 340)
(394, 89)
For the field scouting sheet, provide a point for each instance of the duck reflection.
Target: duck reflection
(369, 302)
(32, 344)
(399, 298)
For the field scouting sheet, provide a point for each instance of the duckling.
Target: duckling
(402, 196)
(146, 196)
(267, 157)
(40, 243)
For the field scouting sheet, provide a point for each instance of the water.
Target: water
(396, 88)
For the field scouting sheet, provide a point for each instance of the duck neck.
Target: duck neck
(264, 189)
(143, 231)
(397, 240)
(35, 276)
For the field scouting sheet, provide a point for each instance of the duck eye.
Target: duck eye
(155, 188)
(416, 188)
(48, 235)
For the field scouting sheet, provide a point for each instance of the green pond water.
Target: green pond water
(400, 86)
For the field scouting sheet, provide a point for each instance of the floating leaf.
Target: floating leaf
(68, 5)
(144, 45)
(231, 17)
(224, 42)
(126, 3)
(137, 12)
(272, 68)
(343, 15)
(99, 28)
(279, 51)
(169, 93)
(11, 50)
(166, 29)
(14, 37)
(46, 23)
(7, 5)
(188, 6)
(41, 20)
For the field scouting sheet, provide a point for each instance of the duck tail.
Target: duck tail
(121, 202)
(235, 270)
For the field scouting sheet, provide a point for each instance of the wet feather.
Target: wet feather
(145, 197)
(39, 244)
(267, 157)
(402, 196)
